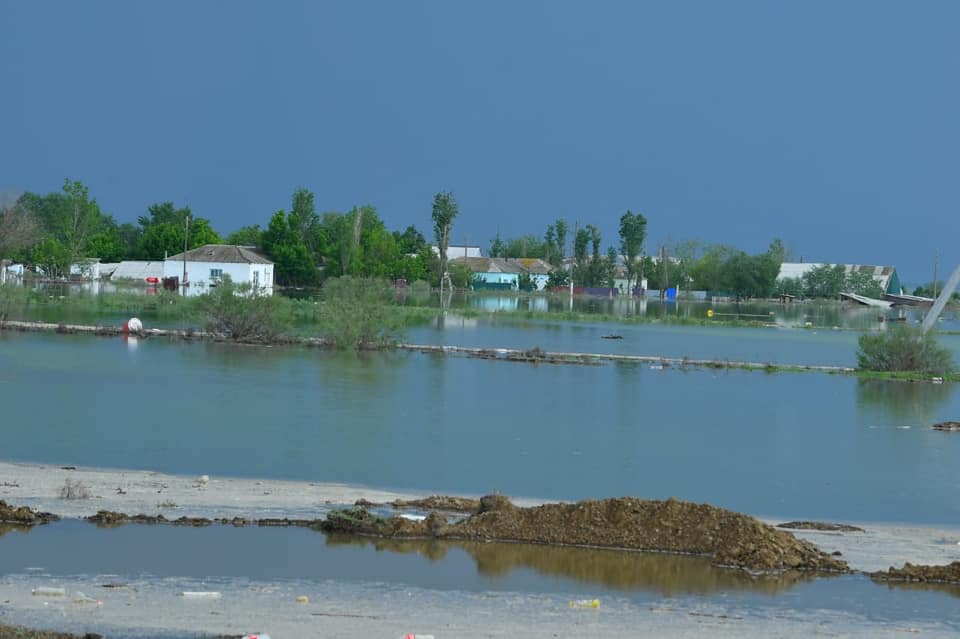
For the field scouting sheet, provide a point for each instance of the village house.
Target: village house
(208, 265)
(885, 276)
(538, 269)
(458, 251)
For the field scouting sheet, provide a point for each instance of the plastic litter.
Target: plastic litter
(413, 517)
(416, 636)
(46, 591)
(259, 635)
(585, 603)
(303, 599)
(80, 598)
(200, 594)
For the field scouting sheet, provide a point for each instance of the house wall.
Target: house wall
(200, 279)
(539, 280)
(500, 278)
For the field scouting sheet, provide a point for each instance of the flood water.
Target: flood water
(223, 554)
(785, 445)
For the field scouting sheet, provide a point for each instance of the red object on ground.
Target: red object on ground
(153, 280)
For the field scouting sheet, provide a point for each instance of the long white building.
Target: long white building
(206, 267)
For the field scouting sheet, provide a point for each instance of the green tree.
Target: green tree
(356, 313)
(163, 229)
(19, 231)
(497, 247)
(862, 283)
(633, 231)
(524, 246)
(561, 229)
(293, 265)
(410, 241)
(108, 245)
(581, 244)
(550, 244)
(246, 236)
(445, 210)
(903, 349)
(824, 280)
(52, 257)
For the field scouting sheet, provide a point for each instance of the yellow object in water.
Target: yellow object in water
(302, 599)
(585, 603)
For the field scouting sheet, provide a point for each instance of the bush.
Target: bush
(241, 314)
(358, 313)
(903, 350)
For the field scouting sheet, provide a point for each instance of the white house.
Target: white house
(455, 252)
(206, 266)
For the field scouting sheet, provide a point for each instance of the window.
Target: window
(216, 273)
(256, 279)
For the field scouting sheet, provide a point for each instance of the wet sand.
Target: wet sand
(341, 609)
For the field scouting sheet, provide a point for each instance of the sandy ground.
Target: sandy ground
(151, 607)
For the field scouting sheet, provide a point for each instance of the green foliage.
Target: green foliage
(790, 286)
(52, 258)
(497, 246)
(19, 231)
(242, 315)
(523, 246)
(358, 313)
(862, 283)
(825, 280)
(445, 210)
(633, 231)
(903, 349)
(460, 274)
(293, 265)
(561, 228)
(411, 241)
(108, 245)
(558, 277)
(247, 236)
(163, 228)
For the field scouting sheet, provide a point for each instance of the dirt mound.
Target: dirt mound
(819, 525)
(949, 574)
(437, 502)
(23, 515)
(730, 538)
(19, 632)
(108, 518)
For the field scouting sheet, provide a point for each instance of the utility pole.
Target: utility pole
(186, 236)
(936, 263)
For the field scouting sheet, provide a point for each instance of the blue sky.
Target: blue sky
(833, 125)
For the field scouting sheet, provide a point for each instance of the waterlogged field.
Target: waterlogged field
(780, 444)
(784, 445)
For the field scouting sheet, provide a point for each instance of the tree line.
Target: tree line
(54, 230)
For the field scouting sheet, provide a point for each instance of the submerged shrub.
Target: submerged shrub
(359, 313)
(903, 350)
(245, 315)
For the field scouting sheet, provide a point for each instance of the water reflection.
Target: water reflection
(6, 528)
(908, 402)
(668, 575)
(948, 589)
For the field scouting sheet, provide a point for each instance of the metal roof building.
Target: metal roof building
(885, 276)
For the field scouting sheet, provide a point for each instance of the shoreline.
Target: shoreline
(879, 546)
(150, 607)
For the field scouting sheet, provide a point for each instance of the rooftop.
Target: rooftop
(226, 253)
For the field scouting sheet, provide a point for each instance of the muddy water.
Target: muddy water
(790, 445)
(229, 558)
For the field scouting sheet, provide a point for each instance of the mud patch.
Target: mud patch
(729, 538)
(23, 515)
(948, 574)
(819, 525)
